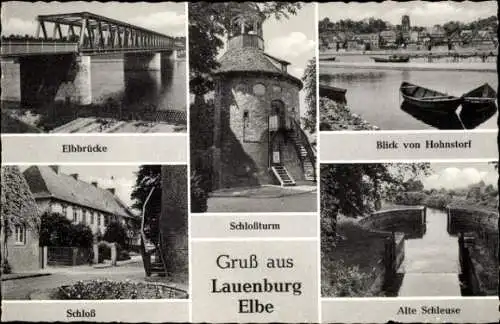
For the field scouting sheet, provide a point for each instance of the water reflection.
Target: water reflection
(473, 115)
(435, 119)
(353, 76)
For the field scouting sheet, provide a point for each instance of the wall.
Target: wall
(410, 221)
(471, 220)
(244, 147)
(173, 218)
(11, 80)
(26, 257)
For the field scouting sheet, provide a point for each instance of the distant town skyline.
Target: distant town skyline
(169, 18)
(421, 13)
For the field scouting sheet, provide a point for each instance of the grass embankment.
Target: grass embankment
(354, 266)
(337, 116)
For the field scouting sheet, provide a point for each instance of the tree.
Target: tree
(309, 79)
(115, 232)
(357, 189)
(147, 178)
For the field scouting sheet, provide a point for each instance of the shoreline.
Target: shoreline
(454, 67)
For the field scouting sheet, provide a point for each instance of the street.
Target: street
(20, 289)
(304, 202)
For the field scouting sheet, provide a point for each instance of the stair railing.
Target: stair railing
(301, 135)
(146, 255)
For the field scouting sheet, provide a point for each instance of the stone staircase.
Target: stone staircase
(307, 165)
(283, 176)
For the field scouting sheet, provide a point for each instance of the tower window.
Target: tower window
(259, 89)
(246, 118)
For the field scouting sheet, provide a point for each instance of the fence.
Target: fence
(176, 117)
(68, 256)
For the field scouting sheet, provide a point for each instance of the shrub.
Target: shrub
(107, 289)
(439, 201)
(341, 280)
(57, 230)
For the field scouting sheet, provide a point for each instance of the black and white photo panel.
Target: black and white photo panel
(412, 65)
(253, 104)
(409, 229)
(93, 67)
(94, 232)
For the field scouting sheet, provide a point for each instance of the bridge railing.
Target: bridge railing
(30, 47)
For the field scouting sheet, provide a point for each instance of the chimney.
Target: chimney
(74, 175)
(55, 168)
(94, 183)
(112, 190)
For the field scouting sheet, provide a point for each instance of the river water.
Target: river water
(160, 90)
(374, 94)
(431, 263)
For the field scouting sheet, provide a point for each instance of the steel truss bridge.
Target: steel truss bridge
(87, 33)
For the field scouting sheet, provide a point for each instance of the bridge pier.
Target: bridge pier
(11, 79)
(142, 61)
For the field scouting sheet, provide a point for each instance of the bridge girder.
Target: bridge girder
(98, 33)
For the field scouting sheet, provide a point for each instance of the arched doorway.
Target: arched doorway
(276, 145)
(278, 109)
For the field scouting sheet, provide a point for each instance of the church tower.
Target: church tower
(257, 134)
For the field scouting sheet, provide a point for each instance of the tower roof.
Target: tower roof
(253, 60)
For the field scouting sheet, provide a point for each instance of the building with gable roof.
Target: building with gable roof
(77, 200)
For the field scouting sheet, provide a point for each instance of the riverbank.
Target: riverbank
(337, 116)
(28, 121)
(436, 50)
(353, 267)
(412, 66)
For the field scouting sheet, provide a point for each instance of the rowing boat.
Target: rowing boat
(392, 59)
(429, 99)
(333, 93)
(483, 94)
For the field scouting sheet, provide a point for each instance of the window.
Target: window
(98, 220)
(75, 214)
(276, 89)
(20, 234)
(84, 217)
(259, 89)
(92, 216)
(246, 118)
(65, 210)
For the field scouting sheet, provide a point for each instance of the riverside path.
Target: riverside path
(431, 263)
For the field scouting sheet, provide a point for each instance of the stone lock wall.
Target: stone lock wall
(410, 221)
(243, 107)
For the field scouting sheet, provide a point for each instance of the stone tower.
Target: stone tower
(257, 134)
(405, 27)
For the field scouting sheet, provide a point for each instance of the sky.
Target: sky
(293, 40)
(460, 175)
(422, 13)
(168, 18)
(120, 177)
